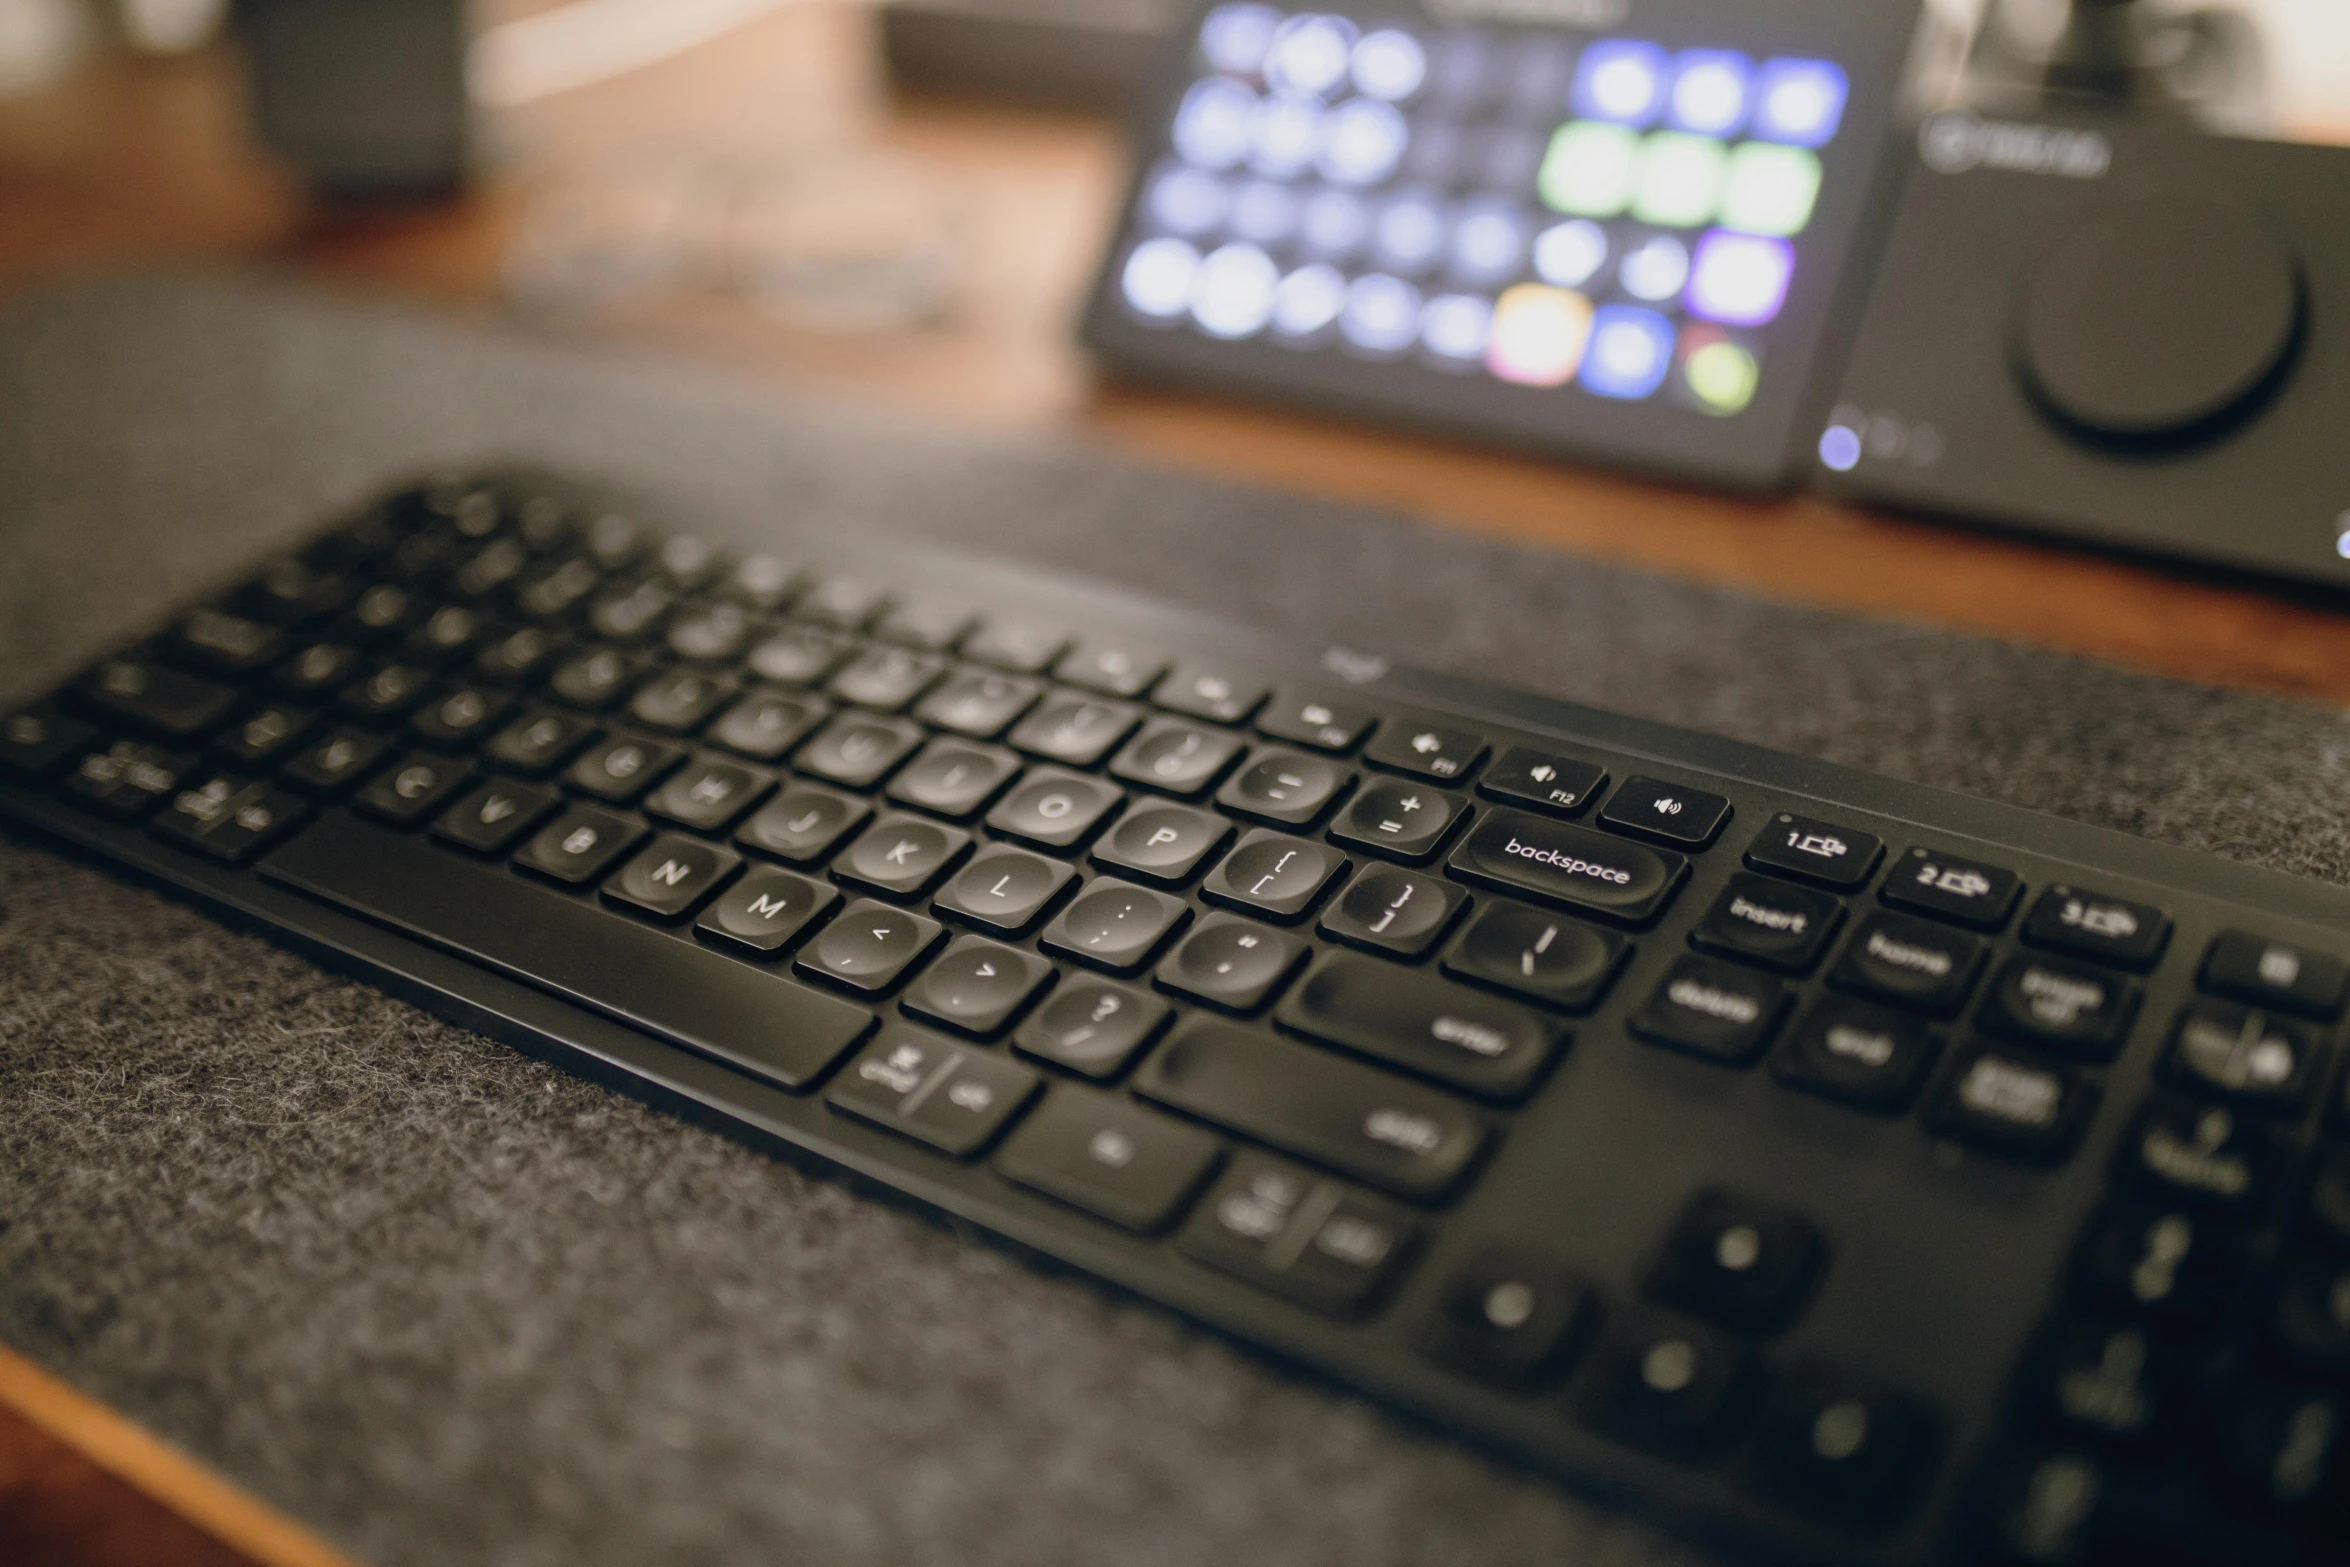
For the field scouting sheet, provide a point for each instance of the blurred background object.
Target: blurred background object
(366, 97)
(1090, 54)
(39, 42)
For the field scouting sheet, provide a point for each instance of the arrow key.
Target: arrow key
(978, 986)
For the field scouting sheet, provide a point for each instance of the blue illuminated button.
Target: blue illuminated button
(1212, 127)
(1620, 80)
(1382, 314)
(1710, 91)
(1631, 349)
(1235, 37)
(1158, 278)
(1800, 102)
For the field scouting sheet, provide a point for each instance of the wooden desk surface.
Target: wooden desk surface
(143, 162)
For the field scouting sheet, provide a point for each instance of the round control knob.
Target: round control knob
(2156, 321)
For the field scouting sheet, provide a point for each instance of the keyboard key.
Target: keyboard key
(886, 679)
(1320, 1243)
(558, 590)
(1712, 1009)
(1005, 890)
(978, 704)
(1404, 821)
(1743, 1264)
(672, 878)
(1412, 1019)
(1507, 1316)
(381, 613)
(2161, 1260)
(2285, 1446)
(1093, 1027)
(1076, 731)
(1177, 758)
(1770, 923)
(127, 780)
(1666, 813)
(858, 750)
(518, 657)
(800, 655)
(230, 818)
(1390, 910)
(1232, 963)
(2107, 1380)
(489, 820)
(1115, 925)
(1161, 843)
(2050, 1002)
(1110, 669)
(952, 1097)
(2313, 1314)
(765, 912)
(954, 778)
(1427, 751)
(680, 701)
(1864, 1055)
(264, 735)
(1838, 858)
(632, 611)
(489, 568)
(316, 670)
(1909, 962)
(1671, 1384)
(596, 679)
(870, 947)
(978, 986)
(1835, 1447)
(1055, 810)
(1538, 955)
(578, 846)
(902, 856)
(710, 633)
(155, 699)
(1561, 863)
(687, 561)
(2200, 1153)
(458, 718)
(1274, 875)
(295, 593)
(2092, 925)
(445, 635)
(2243, 1054)
(36, 742)
(620, 768)
(804, 824)
(1931, 882)
(768, 722)
(709, 795)
(1020, 647)
(330, 766)
(415, 786)
(1325, 725)
(224, 644)
(930, 625)
(1222, 696)
(1117, 1162)
(2272, 974)
(1543, 779)
(1284, 788)
(1363, 1122)
(2014, 1104)
(385, 694)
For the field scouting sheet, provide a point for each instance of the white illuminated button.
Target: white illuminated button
(1232, 295)
(1655, 269)
(1236, 37)
(1187, 201)
(1212, 127)
(1382, 314)
(1488, 242)
(1571, 254)
(1362, 142)
(1308, 300)
(1709, 91)
(1264, 213)
(1285, 136)
(1390, 64)
(1334, 225)
(1310, 54)
(1457, 326)
(1410, 235)
(1158, 278)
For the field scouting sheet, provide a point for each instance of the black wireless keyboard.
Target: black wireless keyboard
(1834, 1169)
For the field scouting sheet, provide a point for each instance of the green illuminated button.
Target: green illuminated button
(1722, 375)
(1592, 170)
(1771, 189)
(1680, 180)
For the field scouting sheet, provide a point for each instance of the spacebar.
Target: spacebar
(763, 1023)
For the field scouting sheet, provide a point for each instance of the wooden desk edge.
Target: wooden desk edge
(157, 1470)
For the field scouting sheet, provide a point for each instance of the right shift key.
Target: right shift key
(1572, 866)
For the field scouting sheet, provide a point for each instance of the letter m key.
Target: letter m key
(767, 906)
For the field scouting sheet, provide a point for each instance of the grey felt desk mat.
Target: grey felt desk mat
(448, 1305)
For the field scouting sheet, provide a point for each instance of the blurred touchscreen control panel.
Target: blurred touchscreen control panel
(1607, 228)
